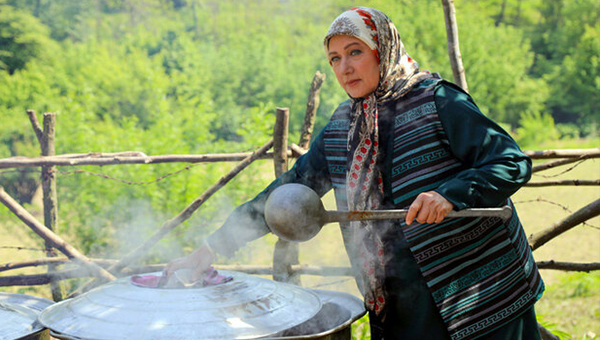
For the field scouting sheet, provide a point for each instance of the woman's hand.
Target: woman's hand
(198, 261)
(429, 207)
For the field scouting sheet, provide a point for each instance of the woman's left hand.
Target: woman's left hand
(428, 207)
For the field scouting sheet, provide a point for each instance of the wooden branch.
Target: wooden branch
(311, 109)
(50, 260)
(322, 270)
(285, 253)
(49, 195)
(189, 210)
(556, 163)
(104, 154)
(575, 182)
(101, 159)
(35, 124)
(589, 211)
(297, 151)
(572, 153)
(458, 70)
(50, 236)
(280, 141)
(296, 269)
(24, 162)
(42, 279)
(569, 266)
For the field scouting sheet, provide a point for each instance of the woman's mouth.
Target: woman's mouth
(352, 83)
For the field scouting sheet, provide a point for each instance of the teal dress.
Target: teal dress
(410, 310)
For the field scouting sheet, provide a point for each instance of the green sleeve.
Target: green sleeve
(247, 222)
(495, 165)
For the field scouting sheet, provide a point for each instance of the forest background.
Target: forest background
(197, 76)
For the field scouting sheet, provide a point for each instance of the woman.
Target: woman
(406, 138)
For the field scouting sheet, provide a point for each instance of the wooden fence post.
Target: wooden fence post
(286, 253)
(46, 138)
(311, 109)
(458, 70)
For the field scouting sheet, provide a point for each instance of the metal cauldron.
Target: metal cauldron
(18, 317)
(248, 307)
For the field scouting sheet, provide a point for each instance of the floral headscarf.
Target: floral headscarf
(398, 74)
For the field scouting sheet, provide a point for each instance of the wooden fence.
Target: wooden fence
(286, 266)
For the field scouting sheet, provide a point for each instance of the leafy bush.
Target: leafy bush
(535, 128)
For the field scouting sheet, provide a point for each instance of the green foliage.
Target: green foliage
(553, 328)
(361, 329)
(579, 284)
(535, 128)
(22, 38)
(567, 45)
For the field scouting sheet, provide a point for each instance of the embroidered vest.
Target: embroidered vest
(480, 271)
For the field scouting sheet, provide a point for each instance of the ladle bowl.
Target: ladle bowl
(293, 212)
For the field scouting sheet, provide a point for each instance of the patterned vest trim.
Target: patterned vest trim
(480, 271)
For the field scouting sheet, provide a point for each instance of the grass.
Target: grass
(570, 306)
(571, 301)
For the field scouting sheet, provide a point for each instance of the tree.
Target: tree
(22, 38)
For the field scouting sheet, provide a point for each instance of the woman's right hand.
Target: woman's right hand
(198, 261)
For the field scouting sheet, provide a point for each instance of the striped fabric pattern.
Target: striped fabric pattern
(480, 271)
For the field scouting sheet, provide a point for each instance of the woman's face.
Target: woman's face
(355, 65)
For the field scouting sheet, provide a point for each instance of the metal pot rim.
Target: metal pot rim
(30, 306)
(247, 307)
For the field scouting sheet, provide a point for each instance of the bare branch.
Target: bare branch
(311, 109)
(43, 279)
(575, 182)
(50, 260)
(458, 70)
(24, 162)
(297, 150)
(50, 236)
(285, 253)
(589, 211)
(568, 266)
(556, 163)
(569, 153)
(37, 128)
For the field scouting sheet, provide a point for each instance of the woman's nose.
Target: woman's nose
(346, 66)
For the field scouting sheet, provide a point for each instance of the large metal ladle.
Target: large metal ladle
(294, 212)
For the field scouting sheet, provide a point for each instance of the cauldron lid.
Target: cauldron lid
(247, 307)
(18, 314)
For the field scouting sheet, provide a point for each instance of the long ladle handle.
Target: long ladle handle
(346, 216)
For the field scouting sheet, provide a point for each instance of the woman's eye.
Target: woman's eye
(355, 52)
(334, 59)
